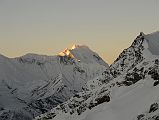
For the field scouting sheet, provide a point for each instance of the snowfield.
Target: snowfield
(129, 104)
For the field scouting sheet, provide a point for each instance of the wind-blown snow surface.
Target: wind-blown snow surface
(131, 92)
(33, 84)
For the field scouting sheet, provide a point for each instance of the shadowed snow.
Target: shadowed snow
(153, 42)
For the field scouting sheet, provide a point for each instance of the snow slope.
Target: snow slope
(129, 104)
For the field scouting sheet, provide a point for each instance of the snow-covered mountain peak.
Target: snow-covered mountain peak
(67, 51)
(142, 34)
(84, 54)
(33, 84)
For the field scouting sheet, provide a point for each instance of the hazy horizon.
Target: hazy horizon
(48, 27)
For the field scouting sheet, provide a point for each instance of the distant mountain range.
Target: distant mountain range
(77, 84)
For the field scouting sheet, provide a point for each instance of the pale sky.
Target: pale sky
(49, 26)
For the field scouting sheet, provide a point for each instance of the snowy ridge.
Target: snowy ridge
(33, 84)
(129, 57)
(126, 91)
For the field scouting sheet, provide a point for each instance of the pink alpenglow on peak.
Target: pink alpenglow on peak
(75, 46)
(66, 52)
(84, 54)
